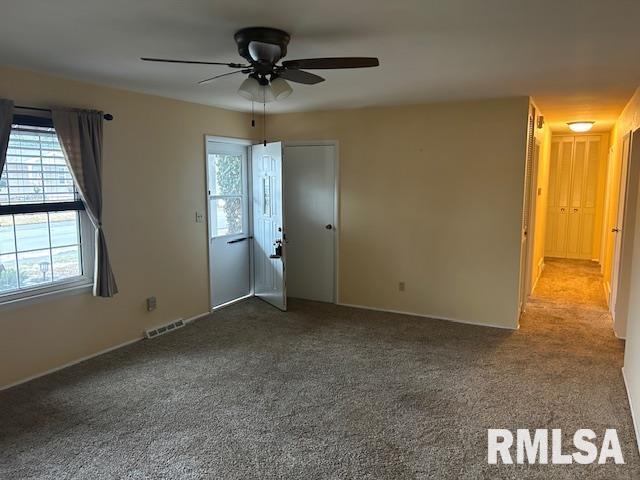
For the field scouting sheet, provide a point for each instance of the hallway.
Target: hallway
(571, 337)
(572, 282)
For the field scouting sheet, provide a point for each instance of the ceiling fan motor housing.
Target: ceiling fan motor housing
(262, 45)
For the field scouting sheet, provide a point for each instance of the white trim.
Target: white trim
(336, 205)
(35, 296)
(432, 317)
(533, 208)
(71, 363)
(607, 293)
(237, 141)
(633, 416)
(197, 317)
(541, 266)
(231, 302)
(89, 357)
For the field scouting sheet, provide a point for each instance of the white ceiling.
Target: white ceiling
(577, 58)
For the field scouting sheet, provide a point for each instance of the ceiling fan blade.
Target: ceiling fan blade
(194, 62)
(207, 80)
(336, 62)
(300, 76)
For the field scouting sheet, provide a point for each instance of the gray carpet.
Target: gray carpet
(323, 392)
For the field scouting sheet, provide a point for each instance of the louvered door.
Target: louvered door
(573, 194)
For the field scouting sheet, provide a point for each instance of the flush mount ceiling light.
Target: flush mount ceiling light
(580, 127)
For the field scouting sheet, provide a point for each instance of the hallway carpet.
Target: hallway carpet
(324, 392)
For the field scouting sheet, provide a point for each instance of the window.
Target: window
(226, 194)
(44, 231)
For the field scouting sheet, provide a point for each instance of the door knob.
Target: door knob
(615, 230)
(328, 226)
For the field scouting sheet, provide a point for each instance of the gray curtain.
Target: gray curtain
(6, 117)
(80, 135)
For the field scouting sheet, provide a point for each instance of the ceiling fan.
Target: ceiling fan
(263, 48)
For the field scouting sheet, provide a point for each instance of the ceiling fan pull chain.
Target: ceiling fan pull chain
(264, 116)
(253, 116)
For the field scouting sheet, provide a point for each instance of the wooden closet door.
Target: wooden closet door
(559, 197)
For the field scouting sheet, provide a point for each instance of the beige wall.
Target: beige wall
(431, 195)
(630, 120)
(153, 184)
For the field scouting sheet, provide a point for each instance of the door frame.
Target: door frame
(533, 207)
(622, 248)
(336, 202)
(525, 238)
(625, 170)
(235, 141)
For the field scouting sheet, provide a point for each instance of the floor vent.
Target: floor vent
(155, 332)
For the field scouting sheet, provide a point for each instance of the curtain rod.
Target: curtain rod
(107, 116)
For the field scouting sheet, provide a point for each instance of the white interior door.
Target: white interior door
(268, 224)
(573, 196)
(558, 199)
(229, 246)
(531, 222)
(619, 228)
(310, 195)
(584, 194)
(526, 212)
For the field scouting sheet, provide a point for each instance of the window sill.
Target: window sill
(23, 299)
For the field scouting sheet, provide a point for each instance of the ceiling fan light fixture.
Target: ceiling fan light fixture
(580, 127)
(280, 88)
(265, 95)
(250, 89)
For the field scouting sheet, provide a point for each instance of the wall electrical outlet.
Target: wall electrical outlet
(152, 303)
(199, 217)
(401, 286)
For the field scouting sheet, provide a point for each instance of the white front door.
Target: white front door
(229, 245)
(268, 225)
(310, 173)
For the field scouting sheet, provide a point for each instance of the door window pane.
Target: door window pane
(225, 174)
(266, 196)
(227, 213)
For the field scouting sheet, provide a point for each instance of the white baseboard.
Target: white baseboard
(433, 317)
(196, 317)
(88, 357)
(541, 266)
(607, 293)
(71, 363)
(633, 415)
